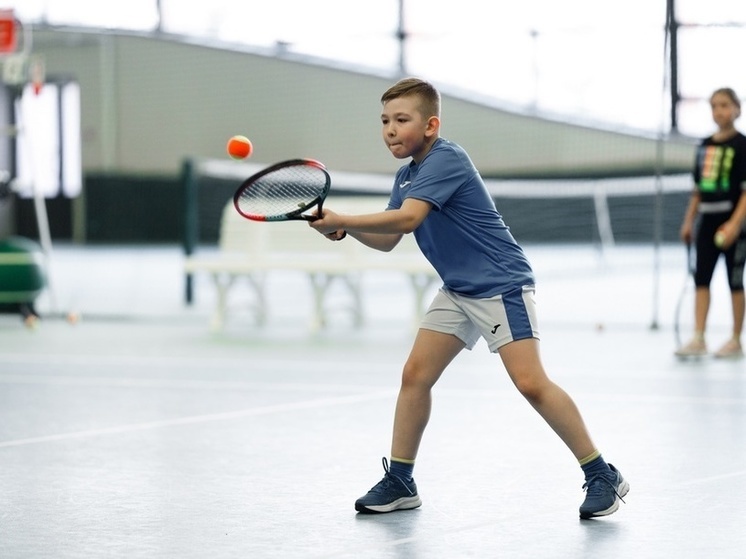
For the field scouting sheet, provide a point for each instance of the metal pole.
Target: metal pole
(672, 28)
(401, 35)
(191, 220)
(669, 61)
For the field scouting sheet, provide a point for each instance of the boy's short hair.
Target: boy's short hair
(428, 94)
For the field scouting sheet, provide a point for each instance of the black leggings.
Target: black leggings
(708, 253)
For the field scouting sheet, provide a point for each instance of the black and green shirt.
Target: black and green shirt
(720, 170)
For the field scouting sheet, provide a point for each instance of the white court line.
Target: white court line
(129, 382)
(710, 479)
(661, 399)
(279, 408)
(185, 361)
(481, 393)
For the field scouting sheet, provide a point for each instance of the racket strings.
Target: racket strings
(283, 191)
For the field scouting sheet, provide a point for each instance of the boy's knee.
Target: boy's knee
(416, 374)
(530, 391)
(531, 387)
(410, 374)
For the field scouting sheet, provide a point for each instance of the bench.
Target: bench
(253, 250)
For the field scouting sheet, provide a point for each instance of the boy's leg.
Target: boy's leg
(523, 363)
(605, 486)
(430, 355)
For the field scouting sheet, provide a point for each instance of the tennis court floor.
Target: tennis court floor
(139, 432)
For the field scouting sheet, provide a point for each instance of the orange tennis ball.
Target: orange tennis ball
(239, 147)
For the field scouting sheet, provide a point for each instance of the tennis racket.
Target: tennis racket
(284, 191)
(685, 295)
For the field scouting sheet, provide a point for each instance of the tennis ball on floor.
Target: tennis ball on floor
(239, 147)
(719, 239)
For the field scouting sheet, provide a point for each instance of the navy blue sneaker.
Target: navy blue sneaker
(603, 492)
(389, 494)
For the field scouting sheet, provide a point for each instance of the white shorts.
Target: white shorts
(499, 320)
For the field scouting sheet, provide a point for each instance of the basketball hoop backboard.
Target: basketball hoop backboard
(20, 66)
(8, 37)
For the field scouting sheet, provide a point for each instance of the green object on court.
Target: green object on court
(22, 276)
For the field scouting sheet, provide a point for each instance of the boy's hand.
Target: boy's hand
(328, 224)
(336, 235)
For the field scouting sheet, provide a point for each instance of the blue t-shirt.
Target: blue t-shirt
(464, 236)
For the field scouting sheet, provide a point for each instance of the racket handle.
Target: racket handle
(313, 217)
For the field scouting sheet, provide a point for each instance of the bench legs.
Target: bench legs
(223, 284)
(421, 282)
(320, 283)
(320, 286)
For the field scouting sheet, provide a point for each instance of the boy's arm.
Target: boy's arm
(383, 242)
(404, 220)
(382, 230)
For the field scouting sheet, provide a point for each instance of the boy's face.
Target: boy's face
(405, 131)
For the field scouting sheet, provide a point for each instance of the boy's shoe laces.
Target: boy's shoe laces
(390, 494)
(595, 488)
(388, 479)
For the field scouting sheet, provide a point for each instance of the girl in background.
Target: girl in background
(718, 206)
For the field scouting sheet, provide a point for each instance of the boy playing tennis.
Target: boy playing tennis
(488, 288)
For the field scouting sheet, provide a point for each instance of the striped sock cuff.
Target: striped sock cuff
(402, 469)
(402, 460)
(590, 458)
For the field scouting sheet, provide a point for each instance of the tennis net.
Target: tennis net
(603, 211)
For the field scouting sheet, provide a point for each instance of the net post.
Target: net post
(191, 221)
(658, 225)
(603, 218)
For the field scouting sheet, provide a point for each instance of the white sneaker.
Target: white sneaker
(731, 350)
(695, 348)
